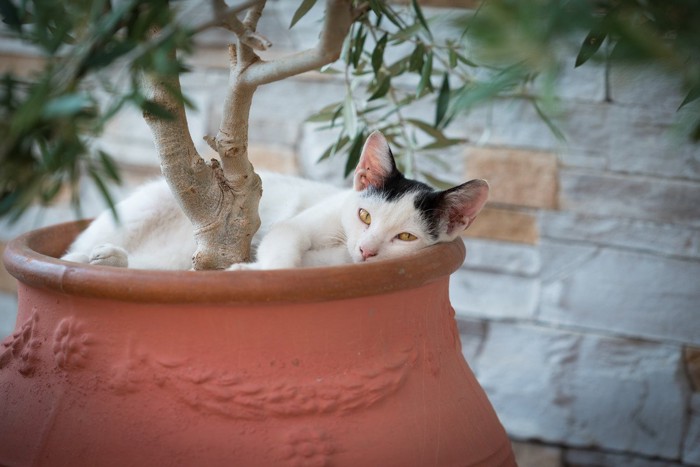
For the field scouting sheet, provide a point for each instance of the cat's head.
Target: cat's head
(391, 215)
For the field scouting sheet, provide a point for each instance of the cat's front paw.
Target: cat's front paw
(244, 267)
(109, 255)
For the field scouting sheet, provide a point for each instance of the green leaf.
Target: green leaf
(452, 57)
(421, 18)
(354, 153)
(390, 15)
(692, 95)
(465, 60)
(325, 114)
(443, 143)
(109, 166)
(427, 128)
(399, 66)
(157, 110)
(405, 33)
(376, 7)
(357, 46)
(349, 116)
(335, 147)
(548, 121)
(382, 88)
(417, 58)
(66, 105)
(443, 101)
(10, 15)
(695, 134)
(378, 54)
(302, 11)
(107, 56)
(475, 93)
(104, 191)
(590, 46)
(426, 73)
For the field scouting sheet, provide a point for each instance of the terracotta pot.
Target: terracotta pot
(351, 366)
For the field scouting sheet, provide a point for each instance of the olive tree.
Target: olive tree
(134, 51)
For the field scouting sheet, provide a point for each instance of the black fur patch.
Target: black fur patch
(427, 202)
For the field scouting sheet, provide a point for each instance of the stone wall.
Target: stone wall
(579, 301)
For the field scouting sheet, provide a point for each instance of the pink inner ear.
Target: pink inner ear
(464, 203)
(376, 162)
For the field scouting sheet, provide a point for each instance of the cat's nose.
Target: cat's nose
(367, 252)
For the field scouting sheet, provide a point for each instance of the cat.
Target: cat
(303, 223)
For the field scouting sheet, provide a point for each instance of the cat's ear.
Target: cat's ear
(376, 163)
(461, 204)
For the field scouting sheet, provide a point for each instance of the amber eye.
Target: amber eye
(364, 216)
(406, 237)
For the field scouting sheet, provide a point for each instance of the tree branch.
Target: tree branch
(253, 16)
(339, 16)
(243, 32)
(222, 15)
(221, 199)
(223, 209)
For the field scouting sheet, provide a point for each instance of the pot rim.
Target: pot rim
(32, 259)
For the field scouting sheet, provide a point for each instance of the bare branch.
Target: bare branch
(253, 16)
(182, 166)
(223, 14)
(245, 34)
(339, 16)
(223, 210)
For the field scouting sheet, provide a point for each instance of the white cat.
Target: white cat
(304, 223)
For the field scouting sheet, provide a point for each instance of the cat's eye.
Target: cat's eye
(406, 237)
(364, 216)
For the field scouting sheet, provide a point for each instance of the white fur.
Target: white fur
(304, 223)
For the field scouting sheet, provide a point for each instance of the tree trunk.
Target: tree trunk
(221, 198)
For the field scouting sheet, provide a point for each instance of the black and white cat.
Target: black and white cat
(304, 223)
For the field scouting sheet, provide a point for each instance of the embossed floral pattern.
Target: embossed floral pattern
(308, 447)
(234, 395)
(23, 345)
(70, 344)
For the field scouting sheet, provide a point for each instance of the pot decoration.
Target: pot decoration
(358, 365)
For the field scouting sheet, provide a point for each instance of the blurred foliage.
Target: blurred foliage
(394, 58)
(503, 49)
(95, 52)
(544, 36)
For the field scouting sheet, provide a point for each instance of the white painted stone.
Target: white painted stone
(506, 123)
(580, 458)
(8, 314)
(509, 258)
(582, 158)
(603, 194)
(475, 293)
(643, 142)
(472, 334)
(536, 455)
(280, 109)
(628, 293)
(626, 139)
(584, 390)
(691, 447)
(668, 239)
(560, 258)
(587, 127)
(645, 86)
(584, 83)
